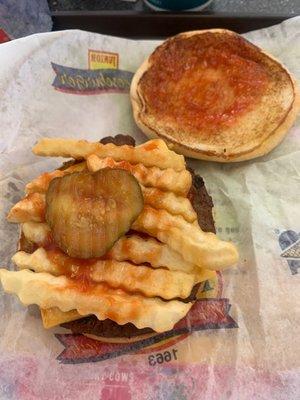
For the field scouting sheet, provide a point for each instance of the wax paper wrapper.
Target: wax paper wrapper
(242, 341)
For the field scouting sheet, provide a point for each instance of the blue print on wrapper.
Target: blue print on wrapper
(85, 81)
(289, 242)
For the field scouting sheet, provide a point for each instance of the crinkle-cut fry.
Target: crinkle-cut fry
(54, 316)
(153, 196)
(41, 183)
(168, 201)
(140, 250)
(152, 153)
(48, 291)
(197, 247)
(37, 232)
(167, 179)
(132, 278)
(201, 248)
(31, 208)
(176, 205)
(133, 248)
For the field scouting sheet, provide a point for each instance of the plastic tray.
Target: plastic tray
(141, 25)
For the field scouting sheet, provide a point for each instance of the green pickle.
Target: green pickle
(88, 212)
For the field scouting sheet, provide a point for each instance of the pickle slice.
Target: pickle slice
(88, 212)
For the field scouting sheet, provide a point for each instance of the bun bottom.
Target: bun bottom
(119, 340)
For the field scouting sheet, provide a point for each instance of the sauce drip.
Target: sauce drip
(76, 269)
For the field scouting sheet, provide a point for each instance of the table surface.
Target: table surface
(286, 8)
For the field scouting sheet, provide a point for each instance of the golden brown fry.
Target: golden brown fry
(158, 199)
(48, 291)
(102, 287)
(37, 232)
(201, 248)
(152, 153)
(141, 250)
(197, 247)
(176, 205)
(133, 248)
(54, 316)
(31, 208)
(167, 179)
(133, 278)
(41, 183)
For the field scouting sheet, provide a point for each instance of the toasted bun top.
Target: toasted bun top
(213, 93)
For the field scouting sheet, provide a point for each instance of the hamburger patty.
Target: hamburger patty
(202, 204)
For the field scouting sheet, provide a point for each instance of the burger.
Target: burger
(116, 242)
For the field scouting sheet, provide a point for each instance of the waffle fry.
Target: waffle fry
(48, 291)
(152, 153)
(41, 183)
(198, 247)
(132, 278)
(31, 208)
(167, 179)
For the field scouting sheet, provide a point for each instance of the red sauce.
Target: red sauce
(47, 177)
(150, 146)
(36, 202)
(125, 165)
(49, 243)
(76, 269)
(111, 163)
(132, 312)
(203, 84)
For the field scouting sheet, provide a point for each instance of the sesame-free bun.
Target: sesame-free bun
(213, 95)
